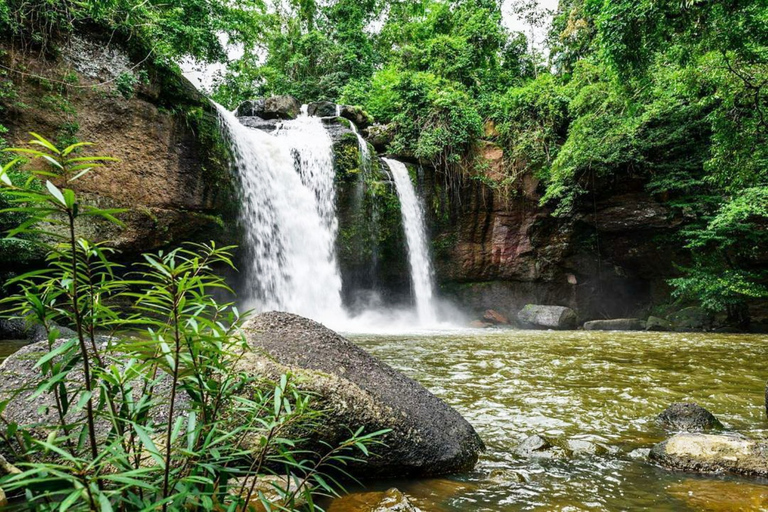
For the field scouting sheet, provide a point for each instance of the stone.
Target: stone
(709, 453)
(392, 500)
(281, 107)
(494, 317)
(20, 329)
(654, 323)
(691, 318)
(322, 109)
(381, 136)
(688, 417)
(547, 317)
(356, 390)
(582, 447)
(615, 324)
(267, 486)
(539, 447)
(357, 115)
(6, 468)
(479, 324)
(3, 499)
(251, 108)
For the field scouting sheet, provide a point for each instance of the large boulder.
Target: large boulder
(21, 329)
(692, 318)
(356, 114)
(615, 324)
(322, 109)
(281, 107)
(654, 323)
(688, 417)
(356, 390)
(547, 317)
(250, 108)
(708, 453)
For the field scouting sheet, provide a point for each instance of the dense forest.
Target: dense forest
(670, 93)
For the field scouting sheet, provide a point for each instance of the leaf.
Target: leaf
(149, 445)
(55, 192)
(42, 141)
(64, 347)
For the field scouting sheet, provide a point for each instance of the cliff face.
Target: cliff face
(173, 175)
(496, 247)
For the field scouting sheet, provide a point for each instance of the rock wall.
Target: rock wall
(173, 174)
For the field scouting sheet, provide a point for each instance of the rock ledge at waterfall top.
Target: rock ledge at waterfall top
(428, 437)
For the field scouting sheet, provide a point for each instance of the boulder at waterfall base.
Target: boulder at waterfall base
(547, 317)
(427, 436)
(350, 387)
(615, 324)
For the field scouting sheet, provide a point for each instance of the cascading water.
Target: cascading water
(422, 276)
(288, 218)
(365, 153)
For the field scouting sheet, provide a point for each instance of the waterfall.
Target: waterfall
(365, 153)
(288, 218)
(422, 277)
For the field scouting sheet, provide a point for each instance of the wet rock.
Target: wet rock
(615, 324)
(479, 324)
(265, 125)
(3, 499)
(539, 447)
(579, 447)
(709, 453)
(547, 317)
(392, 500)
(250, 108)
(688, 417)
(494, 317)
(281, 107)
(428, 437)
(269, 486)
(356, 114)
(654, 323)
(21, 329)
(381, 136)
(322, 109)
(692, 318)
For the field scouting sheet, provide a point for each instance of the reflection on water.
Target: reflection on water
(601, 386)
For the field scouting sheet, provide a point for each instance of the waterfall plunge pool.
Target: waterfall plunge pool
(605, 387)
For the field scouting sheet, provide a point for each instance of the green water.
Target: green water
(603, 387)
(8, 347)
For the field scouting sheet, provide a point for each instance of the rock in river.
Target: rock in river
(547, 317)
(688, 417)
(615, 324)
(428, 437)
(708, 453)
(281, 107)
(353, 388)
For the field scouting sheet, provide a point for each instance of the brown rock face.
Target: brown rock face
(172, 173)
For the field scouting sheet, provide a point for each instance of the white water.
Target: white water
(422, 276)
(288, 218)
(365, 153)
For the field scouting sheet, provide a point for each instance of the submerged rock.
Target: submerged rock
(494, 317)
(281, 107)
(708, 453)
(615, 324)
(539, 447)
(392, 500)
(654, 323)
(688, 417)
(322, 109)
(547, 317)
(428, 437)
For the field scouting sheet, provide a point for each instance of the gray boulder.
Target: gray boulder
(539, 447)
(692, 318)
(654, 323)
(688, 417)
(250, 108)
(708, 453)
(322, 109)
(281, 107)
(356, 390)
(615, 324)
(21, 329)
(547, 317)
(265, 125)
(381, 136)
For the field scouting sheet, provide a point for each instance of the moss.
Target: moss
(347, 159)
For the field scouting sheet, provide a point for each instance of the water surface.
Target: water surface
(605, 387)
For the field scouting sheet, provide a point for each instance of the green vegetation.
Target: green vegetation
(105, 446)
(668, 93)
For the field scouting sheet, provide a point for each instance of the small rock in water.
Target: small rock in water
(615, 324)
(654, 323)
(584, 447)
(390, 501)
(547, 317)
(639, 453)
(494, 317)
(709, 453)
(539, 447)
(688, 417)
